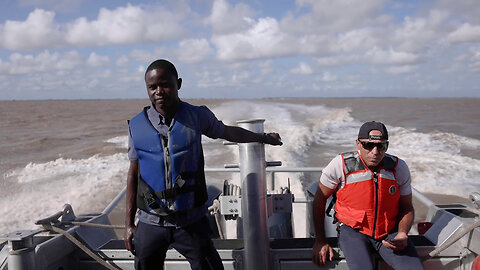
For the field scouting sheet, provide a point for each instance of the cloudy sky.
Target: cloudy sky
(70, 49)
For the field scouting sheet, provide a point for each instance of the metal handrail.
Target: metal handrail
(422, 198)
(273, 170)
(115, 201)
(269, 169)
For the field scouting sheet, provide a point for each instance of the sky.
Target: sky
(90, 49)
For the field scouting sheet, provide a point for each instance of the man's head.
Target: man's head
(372, 142)
(161, 79)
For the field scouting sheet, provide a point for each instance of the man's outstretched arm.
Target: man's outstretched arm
(241, 135)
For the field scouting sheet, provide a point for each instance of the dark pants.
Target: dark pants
(193, 242)
(358, 248)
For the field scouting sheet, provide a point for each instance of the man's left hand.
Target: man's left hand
(400, 242)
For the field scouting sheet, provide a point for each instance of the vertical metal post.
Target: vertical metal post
(272, 181)
(254, 209)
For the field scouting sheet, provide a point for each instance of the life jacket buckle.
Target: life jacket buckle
(150, 201)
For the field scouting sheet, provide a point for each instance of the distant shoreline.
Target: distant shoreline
(259, 98)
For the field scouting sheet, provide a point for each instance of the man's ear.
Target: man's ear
(179, 83)
(358, 144)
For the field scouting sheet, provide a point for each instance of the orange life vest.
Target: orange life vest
(369, 200)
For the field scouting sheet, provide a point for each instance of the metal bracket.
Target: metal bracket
(66, 215)
(230, 205)
(279, 203)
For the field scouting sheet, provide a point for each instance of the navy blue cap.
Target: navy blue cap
(364, 132)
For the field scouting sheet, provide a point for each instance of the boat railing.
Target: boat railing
(272, 171)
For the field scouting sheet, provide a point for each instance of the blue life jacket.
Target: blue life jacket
(171, 169)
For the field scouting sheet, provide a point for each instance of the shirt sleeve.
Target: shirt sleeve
(404, 179)
(132, 154)
(210, 126)
(332, 175)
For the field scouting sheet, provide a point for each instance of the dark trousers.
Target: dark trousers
(358, 247)
(193, 242)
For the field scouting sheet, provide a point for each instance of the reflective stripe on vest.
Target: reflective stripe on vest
(163, 161)
(366, 205)
(367, 176)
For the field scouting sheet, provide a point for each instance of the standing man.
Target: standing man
(373, 207)
(166, 180)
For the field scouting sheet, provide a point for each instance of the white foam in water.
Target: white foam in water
(120, 141)
(87, 184)
(435, 161)
(299, 125)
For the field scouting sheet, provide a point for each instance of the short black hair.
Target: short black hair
(162, 64)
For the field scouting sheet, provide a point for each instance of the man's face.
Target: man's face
(162, 88)
(372, 151)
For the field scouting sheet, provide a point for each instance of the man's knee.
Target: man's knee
(404, 259)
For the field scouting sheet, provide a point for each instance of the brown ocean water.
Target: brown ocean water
(56, 152)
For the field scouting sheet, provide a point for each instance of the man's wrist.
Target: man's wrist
(401, 235)
(263, 138)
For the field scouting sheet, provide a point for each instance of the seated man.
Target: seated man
(373, 207)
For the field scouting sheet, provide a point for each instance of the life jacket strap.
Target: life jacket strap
(331, 204)
(150, 198)
(171, 193)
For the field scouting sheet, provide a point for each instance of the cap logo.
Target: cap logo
(373, 137)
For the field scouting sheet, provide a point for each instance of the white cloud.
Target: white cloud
(353, 36)
(37, 31)
(194, 50)
(226, 19)
(474, 59)
(465, 33)
(302, 68)
(69, 60)
(263, 40)
(401, 69)
(333, 16)
(241, 77)
(96, 60)
(266, 67)
(42, 62)
(416, 33)
(124, 25)
(466, 10)
(207, 79)
(143, 56)
(382, 57)
(328, 77)
(314, 45)
(122, 61)
(337, 60)
(66, 75)
(358, 39)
